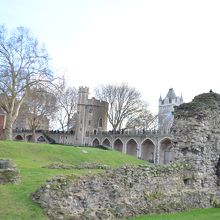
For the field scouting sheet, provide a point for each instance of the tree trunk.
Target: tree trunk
(10, 119)
(34, 136)
(8, 132)
(114, 129)
(68, 122)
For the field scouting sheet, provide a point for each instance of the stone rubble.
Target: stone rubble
(78, 166)
(8, 172)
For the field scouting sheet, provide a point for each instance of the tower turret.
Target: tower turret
(83, 95)
(166, 108)
(160, 100)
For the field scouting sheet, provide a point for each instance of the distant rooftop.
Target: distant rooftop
(171, 94)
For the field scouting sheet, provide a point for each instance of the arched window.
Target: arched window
(100, 123)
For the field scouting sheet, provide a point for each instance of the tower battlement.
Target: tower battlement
(83, 89)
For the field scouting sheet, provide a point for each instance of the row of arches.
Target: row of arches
(29, 138)
(145, 151)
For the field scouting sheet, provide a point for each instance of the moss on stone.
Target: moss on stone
(8, 172)
(151, 196)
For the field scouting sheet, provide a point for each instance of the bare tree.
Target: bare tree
(67, 101)
(124, 101)
(23, 64)
(142, 119)
(39, 106)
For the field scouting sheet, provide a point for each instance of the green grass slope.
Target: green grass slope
(198, 214)
(15, 200)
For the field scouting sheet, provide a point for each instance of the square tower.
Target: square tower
(92, 115)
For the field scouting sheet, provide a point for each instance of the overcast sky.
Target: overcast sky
(151, 45)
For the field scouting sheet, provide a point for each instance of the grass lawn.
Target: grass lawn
(15, 200)
(198, 214)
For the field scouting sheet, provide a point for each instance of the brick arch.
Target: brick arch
(106, 142)
(166, 154)
(118, 145)
(148, 150)
(131, 147)
(18, 137)
(95, 142)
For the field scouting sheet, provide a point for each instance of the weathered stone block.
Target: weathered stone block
(8, 172)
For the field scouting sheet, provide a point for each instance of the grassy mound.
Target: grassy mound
(15, 200)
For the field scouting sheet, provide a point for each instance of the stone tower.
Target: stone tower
(91, 116)
(166, 108)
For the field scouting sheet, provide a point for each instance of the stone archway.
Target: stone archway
(41, 139)
(106, 143)
(19, 138)
(29, 138)
(147, 150)
(166, 151)
(95, 142)
(131, 147)
(118, 145)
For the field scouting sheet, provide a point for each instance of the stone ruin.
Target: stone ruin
(196, 132)
(193, 181)
(8, 172)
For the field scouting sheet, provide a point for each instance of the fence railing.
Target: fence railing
(132, 132)
(96, 133)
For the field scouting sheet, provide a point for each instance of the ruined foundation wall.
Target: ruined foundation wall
(196, 132)
(124, 192)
